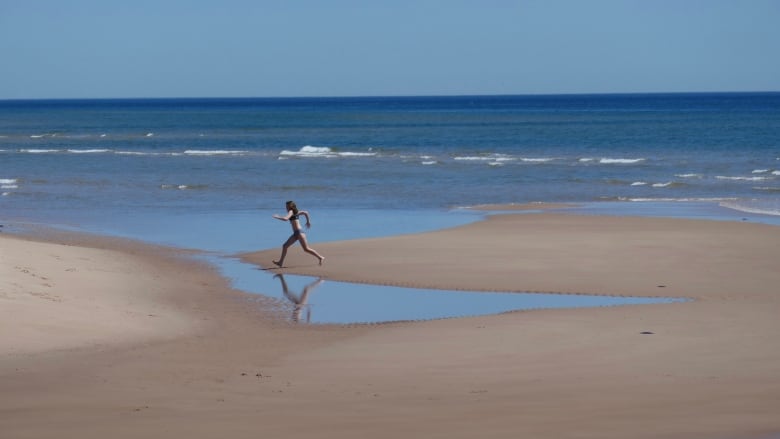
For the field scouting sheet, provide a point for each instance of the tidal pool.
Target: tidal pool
(312, 300)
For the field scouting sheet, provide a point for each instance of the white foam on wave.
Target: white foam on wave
(148, 153)
(149, 134)
(39, 151)
(722, 177)
(180, 187)
(426, 160)
(611, 160)
(760, 171)
(213, 152)
(493, 158)
(756, 209)
(670, 199)
(639, 183)
(618, 161)
(775, 172)
(310, 151)
(89, 151)
(667, 184)
(8, 183)
(690, 175)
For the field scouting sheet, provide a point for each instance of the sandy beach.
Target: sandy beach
(101, 337)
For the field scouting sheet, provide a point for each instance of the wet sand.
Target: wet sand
(167, 349)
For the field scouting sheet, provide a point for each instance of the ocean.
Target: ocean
(93, 157)
(208, 173)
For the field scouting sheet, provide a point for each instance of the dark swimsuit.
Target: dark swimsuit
(294, 217)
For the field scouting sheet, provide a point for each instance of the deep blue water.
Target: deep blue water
(208, 173)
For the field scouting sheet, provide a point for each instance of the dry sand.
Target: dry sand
(166, 349)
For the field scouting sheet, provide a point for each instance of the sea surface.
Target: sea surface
(209, 173)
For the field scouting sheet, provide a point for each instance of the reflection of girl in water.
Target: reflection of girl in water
(292, 216)
(299, 301)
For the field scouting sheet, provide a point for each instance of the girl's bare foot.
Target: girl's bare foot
(321, 259)
(279, 264)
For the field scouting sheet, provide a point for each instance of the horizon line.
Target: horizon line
(400, 96)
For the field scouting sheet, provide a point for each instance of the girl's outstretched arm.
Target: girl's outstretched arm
(285, 218)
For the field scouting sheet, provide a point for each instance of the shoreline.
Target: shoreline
(698, 369)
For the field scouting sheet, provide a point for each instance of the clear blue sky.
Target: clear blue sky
(255, 48)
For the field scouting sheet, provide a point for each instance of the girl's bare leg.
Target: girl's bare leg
(290, 241)
(310, 250)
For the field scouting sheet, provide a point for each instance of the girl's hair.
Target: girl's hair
(291, 206)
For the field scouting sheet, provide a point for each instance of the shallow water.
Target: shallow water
(676, 209)
(310, 300)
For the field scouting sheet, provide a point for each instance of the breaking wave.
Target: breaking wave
(722, 177)
(8, 183)
(611, 161)
(309, 151)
